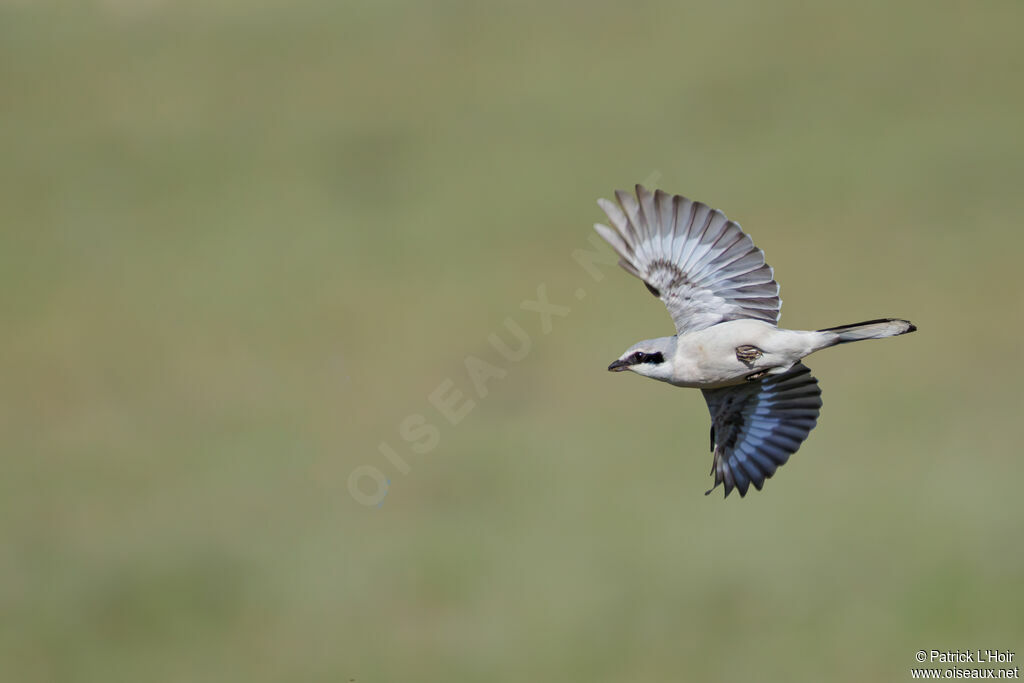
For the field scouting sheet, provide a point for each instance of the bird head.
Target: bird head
(650, 358)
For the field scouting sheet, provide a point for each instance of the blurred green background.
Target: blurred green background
(243, 242)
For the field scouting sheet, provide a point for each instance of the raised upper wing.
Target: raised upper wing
(756, 426)
(692, 257)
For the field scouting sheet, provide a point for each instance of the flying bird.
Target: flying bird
(724, 301)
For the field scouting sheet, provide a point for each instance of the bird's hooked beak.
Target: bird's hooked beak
(618, 366)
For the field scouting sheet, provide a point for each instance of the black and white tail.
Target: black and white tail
(871, 329)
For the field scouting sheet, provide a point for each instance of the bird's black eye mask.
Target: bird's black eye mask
(641, 357)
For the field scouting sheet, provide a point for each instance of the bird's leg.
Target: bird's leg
(748, 354)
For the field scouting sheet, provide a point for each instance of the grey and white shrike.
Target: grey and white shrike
(724, 302)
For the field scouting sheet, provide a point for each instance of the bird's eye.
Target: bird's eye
(639, 357)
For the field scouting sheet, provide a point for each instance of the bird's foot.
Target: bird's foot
(748, 354)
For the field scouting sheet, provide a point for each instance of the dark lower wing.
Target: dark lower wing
(755, 427)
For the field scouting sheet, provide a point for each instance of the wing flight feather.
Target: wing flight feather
(699, 263)
(756, 426)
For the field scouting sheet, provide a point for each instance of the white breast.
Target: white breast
(707, 358)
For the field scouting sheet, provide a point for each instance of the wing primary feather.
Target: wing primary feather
(757, 427)
(614, 239)
(699, 263)
(631, 210)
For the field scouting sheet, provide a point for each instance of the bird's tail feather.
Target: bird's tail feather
(871, 329)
